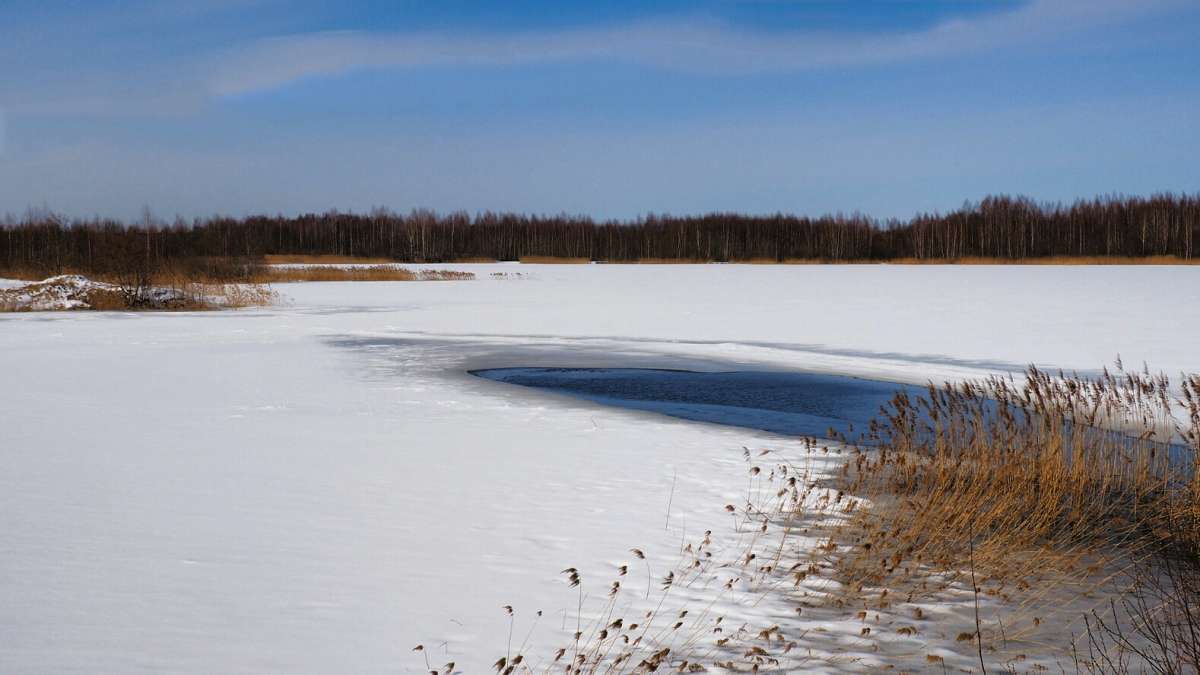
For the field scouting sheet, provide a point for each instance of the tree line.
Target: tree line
(1009, 228)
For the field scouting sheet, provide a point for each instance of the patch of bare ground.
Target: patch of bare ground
(1006, 526)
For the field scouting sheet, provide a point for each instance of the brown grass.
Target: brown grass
(219, 270)
(1020, 494)
(108, 301)
(1028, 485)
(236, 296)
(23, 274)
(1016, 467)
(372, 273)
(664, 261)
(1056, 260)
(321, 260)
(552, 260)
(788, 261)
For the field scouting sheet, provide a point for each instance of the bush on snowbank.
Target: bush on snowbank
(73, 291)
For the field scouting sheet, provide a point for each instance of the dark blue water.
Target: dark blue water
(801, 404)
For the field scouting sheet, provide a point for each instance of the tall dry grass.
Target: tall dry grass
(369, 273)
(1047, 489)
(297, 259)
(981, 260)
(1034, 474)
(552, 260)
(966, 260)
(1050, 260)
(1063, 510)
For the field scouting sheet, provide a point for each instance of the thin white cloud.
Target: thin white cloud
(110, 58)
(114, 78)
(704, 47)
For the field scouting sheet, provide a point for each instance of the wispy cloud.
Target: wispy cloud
(152, 75)
(691, 46)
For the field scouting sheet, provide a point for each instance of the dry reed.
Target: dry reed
(1030, 504)
(370, 273)
(552, 260)
(322, 260)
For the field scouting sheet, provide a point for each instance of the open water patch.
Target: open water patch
(789, 403)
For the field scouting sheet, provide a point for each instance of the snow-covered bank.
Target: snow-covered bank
(64, 292)
(319, 487)
(73, 291)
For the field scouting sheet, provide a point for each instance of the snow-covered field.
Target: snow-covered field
(320, 486)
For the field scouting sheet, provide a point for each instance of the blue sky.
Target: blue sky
(611, 109)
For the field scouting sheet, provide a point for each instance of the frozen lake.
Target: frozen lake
(320, 486)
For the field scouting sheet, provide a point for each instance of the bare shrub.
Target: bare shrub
(107, 301)
(77, 292)
(1153, 628)
(128, 262)
(236, 296)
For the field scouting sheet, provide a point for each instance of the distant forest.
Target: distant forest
(1009, 228)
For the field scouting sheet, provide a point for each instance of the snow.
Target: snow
(66, 291)
(320, 486)
(69, 291)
